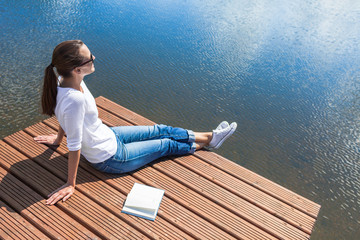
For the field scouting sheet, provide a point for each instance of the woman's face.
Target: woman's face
(88, 66)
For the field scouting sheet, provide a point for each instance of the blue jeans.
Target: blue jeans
(140, 145)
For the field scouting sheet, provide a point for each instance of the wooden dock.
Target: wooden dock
(206, 195)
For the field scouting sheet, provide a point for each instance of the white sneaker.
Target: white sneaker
(220, 135)
(222, 125)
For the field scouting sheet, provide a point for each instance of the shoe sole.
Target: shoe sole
(226, 136)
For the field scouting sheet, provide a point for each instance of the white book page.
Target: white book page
(139, 212)
(144, 198)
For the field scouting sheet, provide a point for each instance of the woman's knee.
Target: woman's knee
(172, 147)
(162, 127)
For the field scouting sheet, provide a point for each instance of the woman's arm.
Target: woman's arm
(65, 191)
(73, 164)
(60, 136)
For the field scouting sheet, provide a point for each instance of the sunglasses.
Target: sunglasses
(91, 60)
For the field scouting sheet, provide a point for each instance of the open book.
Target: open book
(143, 201)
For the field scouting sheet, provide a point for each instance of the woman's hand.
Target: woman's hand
(51, 139)
(64, 192)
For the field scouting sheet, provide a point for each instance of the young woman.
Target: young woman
(112, 150)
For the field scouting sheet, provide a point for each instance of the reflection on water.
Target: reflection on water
(287, 72)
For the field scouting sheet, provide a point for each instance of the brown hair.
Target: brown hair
(65, 58)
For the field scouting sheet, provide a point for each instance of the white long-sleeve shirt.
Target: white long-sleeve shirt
(78, 116)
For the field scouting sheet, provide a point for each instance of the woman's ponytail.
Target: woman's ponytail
(65, 58)
(48, 98)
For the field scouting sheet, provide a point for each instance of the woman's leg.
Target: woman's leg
(203, 137)
(132, 156)
(128, 134)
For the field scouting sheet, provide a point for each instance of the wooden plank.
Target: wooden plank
(294, 200)
(252, 195)
(50, 220)
(14, 226)
(80, 207)
(170, 210)
(285, 195)
(121, 112)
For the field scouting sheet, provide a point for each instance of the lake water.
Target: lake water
(286, 72)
